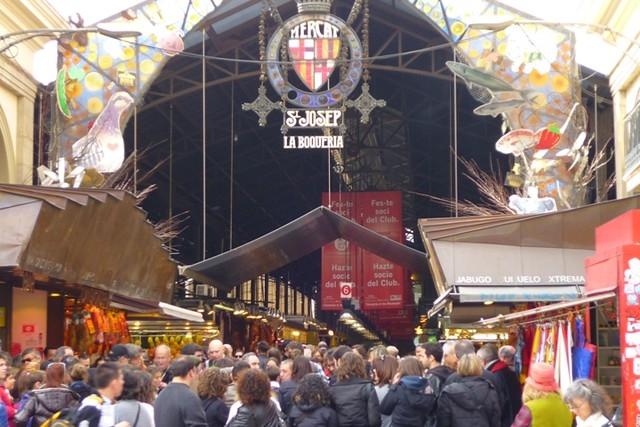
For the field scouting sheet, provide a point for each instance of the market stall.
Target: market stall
(74, 263)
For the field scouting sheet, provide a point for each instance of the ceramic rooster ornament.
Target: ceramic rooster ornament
(102, 148)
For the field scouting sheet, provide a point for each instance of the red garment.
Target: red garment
(8, 403)
(527, 348)
(498, 366)
(524, 418)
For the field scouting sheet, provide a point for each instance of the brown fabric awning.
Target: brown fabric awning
(293, 241)
(96, 238)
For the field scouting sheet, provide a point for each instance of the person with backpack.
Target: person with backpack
(132, 406)
(256, 407)
(408, 402)
(471, 401)
(99, 409)
(354, 396)
(489, 355)
(212, 385)
(312, 404)
(47, 401)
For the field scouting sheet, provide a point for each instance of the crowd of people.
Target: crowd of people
(449, 385)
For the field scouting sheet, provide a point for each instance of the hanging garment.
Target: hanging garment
(542, 345)
(535, 346)
(562, 367)
(520, 345)
(583, 354)
(550, 346)
(527, 350)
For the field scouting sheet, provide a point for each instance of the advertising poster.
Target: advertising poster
(379, 284)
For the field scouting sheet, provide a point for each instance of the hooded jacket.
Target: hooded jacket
(285, 393)
(356, 403)
(312, 415)
(44, 403)
(470, 401)
(408, 403)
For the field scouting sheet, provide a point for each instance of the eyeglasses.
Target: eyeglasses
(238, 356)
(56, 363)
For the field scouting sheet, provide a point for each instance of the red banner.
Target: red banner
(339, 258)
(629, 314)
(379, 283)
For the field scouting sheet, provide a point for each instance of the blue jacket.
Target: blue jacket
(4, 422)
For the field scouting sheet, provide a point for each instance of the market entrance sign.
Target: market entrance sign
(314, 62)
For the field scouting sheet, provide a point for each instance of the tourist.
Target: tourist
(231, 395)
(212, 385)
(215, 352)
(119, 354)
(80, 381)
(273, 363)
(329, 366)
(273, 372)
(256, 407)
(5, 397)
(507, 354)
(489, 355)
(45, 402)
(589, 403)
(252, 360)
(262, 348)
(162, 360)
(393, 351)
(471, 400)
(431, 354)
(384, 371)
(194, 350)
(311, 404)
(131, 407)
(449, 357)
(136, 358)
(238, 355)
(108, 379)
(300, 367)
(541, 401)
(177, 405)
(406, 402)
(27, 382)
(466, 347)
(274, 353)
(354, 396)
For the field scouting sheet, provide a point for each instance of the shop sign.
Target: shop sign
(302, 57)
(629, 315)
(547, 279)
(312, 120)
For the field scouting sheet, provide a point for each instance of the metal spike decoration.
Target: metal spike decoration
(365, 103)
(262, 106)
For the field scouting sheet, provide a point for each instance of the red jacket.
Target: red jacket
(8, 403)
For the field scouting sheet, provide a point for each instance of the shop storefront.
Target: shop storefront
(73, 264)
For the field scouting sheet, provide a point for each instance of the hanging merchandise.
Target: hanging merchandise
(91, 329)
(562, 362)
(583, 353)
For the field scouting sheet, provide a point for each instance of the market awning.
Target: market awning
(529, 254)
(154, 308)
(95, 238)
(293, 241)
(550, 308)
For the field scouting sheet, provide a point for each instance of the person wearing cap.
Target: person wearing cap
(542, 404)
(119, 354)
(177, 405)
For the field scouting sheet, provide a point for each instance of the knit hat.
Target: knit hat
(541, 377)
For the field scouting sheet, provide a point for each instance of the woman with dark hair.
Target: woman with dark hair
(132, 407)
(406, 402)
(312, 404)
(354, 396)
(301, 367)
(212, 385)
(384, 369)
(45, 402)
(255, 408)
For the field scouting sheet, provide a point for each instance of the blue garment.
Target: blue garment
(4, 421)
(518, 355)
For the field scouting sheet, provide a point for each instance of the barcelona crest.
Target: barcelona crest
(315, 40)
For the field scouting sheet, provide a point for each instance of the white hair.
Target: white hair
(448, 347)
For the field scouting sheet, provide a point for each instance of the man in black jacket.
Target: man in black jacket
(489, 355)
(466, 347)
(177, 405)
